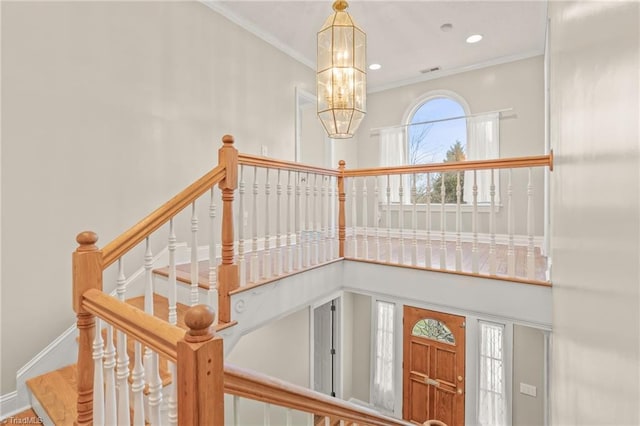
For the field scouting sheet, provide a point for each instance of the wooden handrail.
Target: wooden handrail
(151, 331)
(132, 237)
(260, 387)
(502, 163)
(255, 160)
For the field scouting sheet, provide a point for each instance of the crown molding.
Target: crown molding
(243, 23)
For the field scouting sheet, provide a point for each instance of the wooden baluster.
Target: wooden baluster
(354, 220)
(201, 369)
(87, 274)
(172, 405)
(193, 297)
(389, 246)
(531, 260)
(315, 255)
(365, 219)
(122, 365)
(492, 227)
(401, 220)
(427, 246)
(458, 223)
(306, 246)
(137, 387)
(511, 255)
(110, 405)
(98, 378)
(376, 218)
(414, 224)
(278, 250)
(266, 257)
(443, 224)
(227, 270)
(241, 224)
(213, 263)
(255, 261)
(341, 212)
(297, 259)
(475, 268)
(288, 261)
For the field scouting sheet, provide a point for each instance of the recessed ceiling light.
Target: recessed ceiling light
(474, 38)
(374, 67)
(446, 27)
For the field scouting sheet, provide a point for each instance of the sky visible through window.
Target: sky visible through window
(428, 143)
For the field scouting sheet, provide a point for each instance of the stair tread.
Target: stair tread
(183, 273)
(57, 394)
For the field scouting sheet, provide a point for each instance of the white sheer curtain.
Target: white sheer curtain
(393, 152)
(382, 394)
(492, 396)
(483, 143)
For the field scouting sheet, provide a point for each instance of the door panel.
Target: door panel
(433, 367)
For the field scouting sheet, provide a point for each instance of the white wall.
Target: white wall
(109, 109)
(595, 216)
(528, 368)
(357, 345)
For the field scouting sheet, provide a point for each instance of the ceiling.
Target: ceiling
(403, 36)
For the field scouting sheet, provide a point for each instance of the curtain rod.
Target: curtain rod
(376, 130)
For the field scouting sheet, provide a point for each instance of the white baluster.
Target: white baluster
(148, 278)
(492, 227)
(155, 390)
(213, 264)
(531, 260)
(98, 378)
(236, 415)
(414, 225)
(354, 220)
(242, 266)
(475, 268)
(427, 245)
(172, 405)
(458, 223)
(443, 224)
(122, 366)
(376, 218)
(289, 251)
(278, 250)
(266, 257)
(333, 246)
(151, 358)
(365, 219)
(401, 220)
(137, 387)
(289, 418)
(193, 299)
(511, 254)
(267, 414)
(314, 246)
(324, 214)
(111, 412)
(306, 247)
(297, 258)
(254, 265)
(389, 246)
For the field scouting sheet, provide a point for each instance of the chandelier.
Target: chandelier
(341, 76)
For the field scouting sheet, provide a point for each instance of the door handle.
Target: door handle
(431, 381)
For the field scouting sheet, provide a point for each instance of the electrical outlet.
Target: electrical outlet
(528, 389)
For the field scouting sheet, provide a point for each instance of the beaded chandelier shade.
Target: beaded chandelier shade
(341, 76)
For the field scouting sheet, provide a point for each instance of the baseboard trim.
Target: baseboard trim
(9, 405)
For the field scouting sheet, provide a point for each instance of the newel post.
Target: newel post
(87, 274)
(228, 279)
(200, 371)
(341, 213)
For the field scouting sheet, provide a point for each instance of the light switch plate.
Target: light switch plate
(528, 389)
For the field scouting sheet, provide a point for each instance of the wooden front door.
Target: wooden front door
(433, 366)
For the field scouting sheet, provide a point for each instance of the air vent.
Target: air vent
(427, 70)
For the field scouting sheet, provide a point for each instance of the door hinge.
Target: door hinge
(463, 325)
(333, 351)
(333, 308)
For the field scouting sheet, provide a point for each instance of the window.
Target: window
(492, 387)
(434, 330)
(382, 394)
(441, 128)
